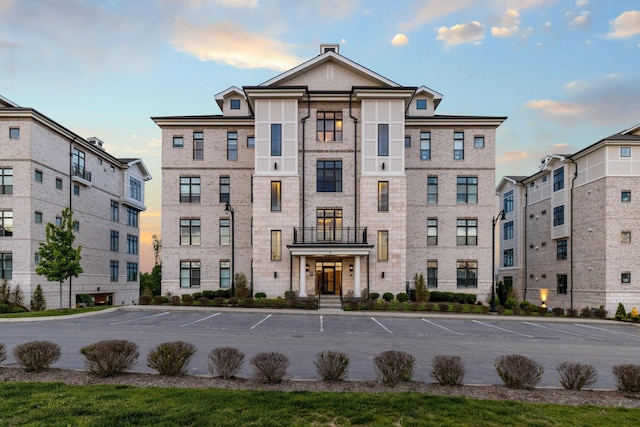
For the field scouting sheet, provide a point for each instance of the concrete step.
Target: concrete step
(330, 302)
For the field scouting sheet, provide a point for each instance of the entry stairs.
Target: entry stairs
(330, 302)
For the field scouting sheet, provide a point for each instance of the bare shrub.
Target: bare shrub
(485, 309)
(144, 299)
(225, 362)
(247, 302)
(270, 368)
(516, 310)
(233, 301)
(558, 311)
(204, 301)
(158, 300)
(171, 358)
(574, 376)
(110, 357)
(601, 313)
(529, 309)
(457, 307)
(332, 365)
(187, 299)
(542, 311)
(175, 300)
(517, 371)
(572, 312)
(430, 306)
(37, 356)
(217, 301)
(444, 307)
(394, 366)
(627, 377)
(448, 370)
(3, 353)
(585, 312)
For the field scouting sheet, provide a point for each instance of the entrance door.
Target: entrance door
(328, 280)
(329, 277)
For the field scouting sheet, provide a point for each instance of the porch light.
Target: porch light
(350, 268)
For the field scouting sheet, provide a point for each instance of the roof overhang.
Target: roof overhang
(203, 121)
(454, 121)
(329, 250)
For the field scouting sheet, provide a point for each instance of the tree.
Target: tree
(58, 259)
(157, 249)
(38, 302)
(150, 282)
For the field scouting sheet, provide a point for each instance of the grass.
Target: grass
(55, 404)
(57, 312)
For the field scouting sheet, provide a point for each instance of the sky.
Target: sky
(566, 73)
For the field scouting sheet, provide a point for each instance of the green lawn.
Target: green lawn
(57, 312)
(54, 404)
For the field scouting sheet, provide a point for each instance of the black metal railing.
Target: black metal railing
(81, 172)
(330, 236)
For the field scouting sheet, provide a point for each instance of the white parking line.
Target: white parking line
(199, 320)
(605, 330)
(440, 326)
(381, 325)
(260, 321)
(502, 329)
(564, 332)
(139, 318)
(321, 325)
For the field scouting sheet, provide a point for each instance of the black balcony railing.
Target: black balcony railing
(81, 172)
(330, 236)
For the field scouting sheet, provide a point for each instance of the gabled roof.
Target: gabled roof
(508, 179)
(632, 130)
(437, 96)
(219, 97)
(8, 103)
(135, 161)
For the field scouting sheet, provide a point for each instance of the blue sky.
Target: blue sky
(565, 72)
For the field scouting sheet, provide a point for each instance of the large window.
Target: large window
(276, 245)
(189, 274)
(561, 249)
(467, 274)
(132, 244)
(225, 231)
(383, 245)
(6, 223)
(198, 145)
(276, 139)
(225, 274)
(78, 160)
(458, 145)
(425, 145)
(113, 270)
(132, 217)
(467, 232)
(6, 181)
(508, 201)
(232, 145)
(190, 231)
(432, 231)
(507, 228)
(561, 280)
(467, 189)
(115, 211)
(558, 179)
(432, 273)
(276, 196)
(135, 188)
(432, 189)
(508, 257)
(190, 189)
(558, 215)
(6, 265)
(329, 176)
(225, 189)
(114, 241)
(329, 126)
(383, 139)
(383, 196)
(132, 271)
(328, 225)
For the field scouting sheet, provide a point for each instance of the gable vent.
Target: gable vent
(324, 48)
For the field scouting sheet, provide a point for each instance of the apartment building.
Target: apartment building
(327, 179)
(45, 168)
(566, 240)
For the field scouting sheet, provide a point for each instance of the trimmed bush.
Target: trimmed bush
(387, 296)
(601, 313)
(204, 301)
(247, 302)
(144, 299)
(270, 368)
(37, 356)
(574, 376)
(332, 365)
(402, 297)
(558, 311)
(572, 312)
(225, 362)
(510, 303)
(197, 295)
(516, 310)
(443, 307)
(542, 311)
(462, 298)
(218, 301)
(627, 377)
(529, 309)
(260, 295)
(373, 296)
(458, 308)
(585, 312)
(448, 370)
(187, 299)
(394, 366)
(289, 295)
(175, 300)
(171, 358)
(38, 302)
(110, 357)
(3, 353)
(621, 313)
(517, 371)
(158, 300)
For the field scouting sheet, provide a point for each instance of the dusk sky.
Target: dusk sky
(565, 72)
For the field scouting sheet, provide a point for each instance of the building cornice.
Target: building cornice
(493, 121)
(203, 121)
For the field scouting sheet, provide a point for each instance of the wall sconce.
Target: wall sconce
(98, 288)
(543, 297)
(307, 267)
(275, 274)
(383, 274)
(544, 305)
(351, 269)
(275, 166)
(382, 165)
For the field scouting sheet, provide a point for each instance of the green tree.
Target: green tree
(150, 282)
(157, 249)
(59, 260)
(38, 302)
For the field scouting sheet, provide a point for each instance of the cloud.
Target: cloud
(626, 25)
(582, 3)
(509, 25)
(231, 44)
(5, 6)
(581, 21)
(556, 108)
(400, 40)
(471, 32)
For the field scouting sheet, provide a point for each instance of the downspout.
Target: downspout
(304, 158)
(355, 166)
(524, 220)
(70, 207)
(575, 175)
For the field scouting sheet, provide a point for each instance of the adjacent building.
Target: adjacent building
(328, 179)
(44, 168)
(567, 237)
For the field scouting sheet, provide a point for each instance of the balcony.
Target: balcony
(79, 173)
(330, 236)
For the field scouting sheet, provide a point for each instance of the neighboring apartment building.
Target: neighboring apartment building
(567, 235)
(44, 168)
(327, 179)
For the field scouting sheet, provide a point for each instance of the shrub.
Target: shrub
(462, 298)
(585, 312)
(157, 300)
(574, 376)
(260, 295)
(217, 301)
(415, 306)
(601, 313)
(444, 307)
(510, 303)
(517, 371)
(289, 295)
(627, 377)
(233, 301)
(208, 293)
(247, 302)
(421, 290)
(37, 356)
(500, 309)
(242, 286)
(430, 306)
(386, 305)
(175, 300)
(3, 353)
(387, 296)
(457, 307)
(270, 368)
(402, 297)
(110, 357)
(558, 311)
(394, 366)
(332, 365)
(171, 358)
(516, 310)
(144, 299)
(542, 311)
(38, 302)
(371, 304)
(529, 309)
(374, 296)
(187, 299)
(225, 362)
(524, 304)
(621, 313)
(197, 295)
(448, 370)
(572, 312)
(485, 309)
(204, 301)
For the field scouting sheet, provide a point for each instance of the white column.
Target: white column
(303, 276)
(356, 276)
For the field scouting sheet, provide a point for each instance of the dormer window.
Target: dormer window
(421, 104)
(234, 104)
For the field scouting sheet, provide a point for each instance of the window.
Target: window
(6, 265)
(178, 142)
(432, 273)
(251, 141)
(113, 271)
(14, 133)
(190, 189)
(114, 241)
(276, 139)
(6, 181)
(59, 183)
(478, 142)
(625, 277)
(561, 249)
(132, 244)
(329, 176)
(135, 189)
(383, 139)
(132, 217)
(558, 179)
(467, 274)
(38, 217)
(458, 145)
(467, 189)
(407, 142)
(329, 126)
(558, 215)
(421, 104)
(625, 151)
(625, 237)
(198, 145)
(78, 160)
(189, 274)
(225, 231)
(225, 189)
(625, 196)
(432, 231)
(232, 145)
(508, 257)
(425, 145)
(508, 201)
(38, 175)
(132, 271)
(115, 211)
(37, 258)
(234, 104)
(383, 245)
(276, 196)
(432, 189)
(225, 274)
(467, 232)
(189, 231)
(76, 226)
(6, 223)
(383, 196)
(276, 245)
(76, 190)
(328, 225)
(561, 280)
(507, 229)
(532, 184)
(58, 221)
